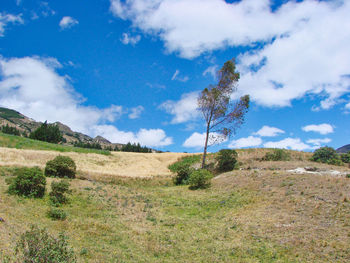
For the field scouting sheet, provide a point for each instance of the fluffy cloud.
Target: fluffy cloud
(183, 110)
(128, 39)
(177, 77)
(6, 19)
(303, 45)
(288, 143)
(318, 142)
(250, 141)
(136, 112)
(321, 128)
(211, 70)
(32, 86)
(267, 131)
(197, 140)
(67, 22)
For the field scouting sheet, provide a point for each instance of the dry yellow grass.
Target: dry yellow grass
(91, 166)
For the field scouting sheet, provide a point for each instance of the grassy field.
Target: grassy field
(262, 213)
(12, 141)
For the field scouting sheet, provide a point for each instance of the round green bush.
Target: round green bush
(61, 166)
(56, 214)
(326, 155)
(200, 179)
(58, 192)
(183, 171)
(30, 182)
(226, 160)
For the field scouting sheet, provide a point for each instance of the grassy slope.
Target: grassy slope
(18, 142)
(254, 215)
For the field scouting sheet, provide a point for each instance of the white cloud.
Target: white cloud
(211, 70)
(250, 141)
(32, 86)
(183, 110)
(318, 142)
(67, 22)
(46, 10)
(128, 39)
(177, 77)
(197, 140)
(303, 46)
(321, 128)
(6, 19)
(288, 143)
(136, 112)
(267, 131)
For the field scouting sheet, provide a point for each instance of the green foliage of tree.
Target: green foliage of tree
(226, 160)
(10, 130)
(58, 192)
(61, 166)
(277, 155)
(29, 182)
(221, 115)
(38, 246)
(47, 133)
(135, 148)
(200, 179)
(183, 172)
(94, 145)
(326, 155)
(345, 157)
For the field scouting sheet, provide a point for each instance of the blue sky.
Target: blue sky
(131, 70)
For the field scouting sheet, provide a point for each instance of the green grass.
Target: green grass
(12, 141)
(139, 222)
(8, 113)
(188, 160)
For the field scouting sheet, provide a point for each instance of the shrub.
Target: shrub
(58, 192)
(29, 182)
(56, 214)
(277, 155)
(227, 160)
(345, 157)
(326, 155)
(36, 246)
(61, 166)
(183, 172)
(10, 130)
(200, 179)
(47, 133)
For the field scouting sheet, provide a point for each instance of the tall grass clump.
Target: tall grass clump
(29, 182)
(38, 246)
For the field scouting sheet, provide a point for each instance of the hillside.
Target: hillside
(27, 125)
(291, 211)
(344, 149)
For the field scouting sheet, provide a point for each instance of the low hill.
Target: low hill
(27, 125)
(344, 149)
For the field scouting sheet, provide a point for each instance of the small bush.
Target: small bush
(58, 192)
(345, 157)
(37, 246)
(183, 172)
(326, 155)
(227, 160)
(30, 182)
(200, 179)
(277, 155)
(61, 166)
(56, 214)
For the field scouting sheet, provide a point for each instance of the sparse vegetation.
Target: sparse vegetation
(326, 155)
(226, 160)
(277, 155)
(29, 182)
(200, 179)
(38, 246)
(56, 213)
(47, 133)
(61, 166)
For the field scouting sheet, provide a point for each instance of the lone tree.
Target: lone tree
(222, 116)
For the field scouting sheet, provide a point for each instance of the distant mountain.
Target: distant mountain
(344, 149)
(26, 125)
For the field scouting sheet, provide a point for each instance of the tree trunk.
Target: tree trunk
(205, 147)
